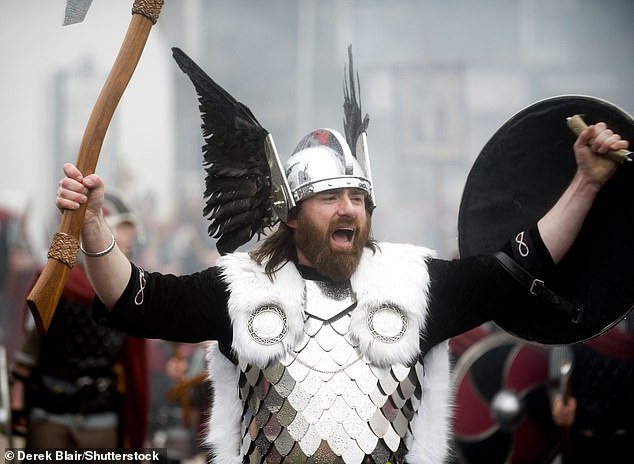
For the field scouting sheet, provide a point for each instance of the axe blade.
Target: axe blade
(76, 11)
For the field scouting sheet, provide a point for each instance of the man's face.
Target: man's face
(331, 230)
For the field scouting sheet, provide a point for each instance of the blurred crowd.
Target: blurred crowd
(177, 393)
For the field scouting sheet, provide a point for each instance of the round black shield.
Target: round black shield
(519, 174)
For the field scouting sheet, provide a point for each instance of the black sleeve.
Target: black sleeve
(529, 251)
(468, 292)
(188, 309)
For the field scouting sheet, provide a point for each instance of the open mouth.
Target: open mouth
(343, 237)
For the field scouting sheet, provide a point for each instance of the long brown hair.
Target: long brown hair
(276, 250)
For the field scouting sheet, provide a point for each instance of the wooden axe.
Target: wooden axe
(62, 253)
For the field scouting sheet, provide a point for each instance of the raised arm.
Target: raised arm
(107, 267)
(560, 226)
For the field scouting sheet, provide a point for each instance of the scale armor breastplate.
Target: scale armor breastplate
(324, 401)
(329, 373)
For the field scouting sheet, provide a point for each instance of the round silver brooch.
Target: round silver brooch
(267, 325)
(387, 324)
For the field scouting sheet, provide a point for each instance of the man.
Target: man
(598, 413)
(17, 266)
(331, 346)
(75, 376)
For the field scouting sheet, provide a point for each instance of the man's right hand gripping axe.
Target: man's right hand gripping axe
(62, 254)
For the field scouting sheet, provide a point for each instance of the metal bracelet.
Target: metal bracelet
(99, 253)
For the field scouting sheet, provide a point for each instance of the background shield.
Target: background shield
(517, 177)
(486, 429)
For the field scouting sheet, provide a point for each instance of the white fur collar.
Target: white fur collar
(395, 275)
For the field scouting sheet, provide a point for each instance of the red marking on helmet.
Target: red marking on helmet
(321, 136)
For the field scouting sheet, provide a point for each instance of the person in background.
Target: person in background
(596, 408)
(82, 385)
(18, 265)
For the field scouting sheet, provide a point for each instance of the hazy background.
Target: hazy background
(438, 77)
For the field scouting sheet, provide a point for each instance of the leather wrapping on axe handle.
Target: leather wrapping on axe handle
(148, 8)
(45, 294)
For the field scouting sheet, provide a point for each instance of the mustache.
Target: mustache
(343, 223)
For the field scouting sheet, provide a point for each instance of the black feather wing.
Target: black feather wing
(353, 122)
(238, 178)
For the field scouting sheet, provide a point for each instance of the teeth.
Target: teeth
(348, 233)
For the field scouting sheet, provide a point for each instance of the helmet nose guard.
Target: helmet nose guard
(323, 161)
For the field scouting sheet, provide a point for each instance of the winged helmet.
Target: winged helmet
(247, 191)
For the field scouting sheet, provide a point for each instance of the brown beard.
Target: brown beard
(314, 242)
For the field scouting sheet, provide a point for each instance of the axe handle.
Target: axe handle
(45, 294)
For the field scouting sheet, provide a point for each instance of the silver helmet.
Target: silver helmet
(323, 161)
